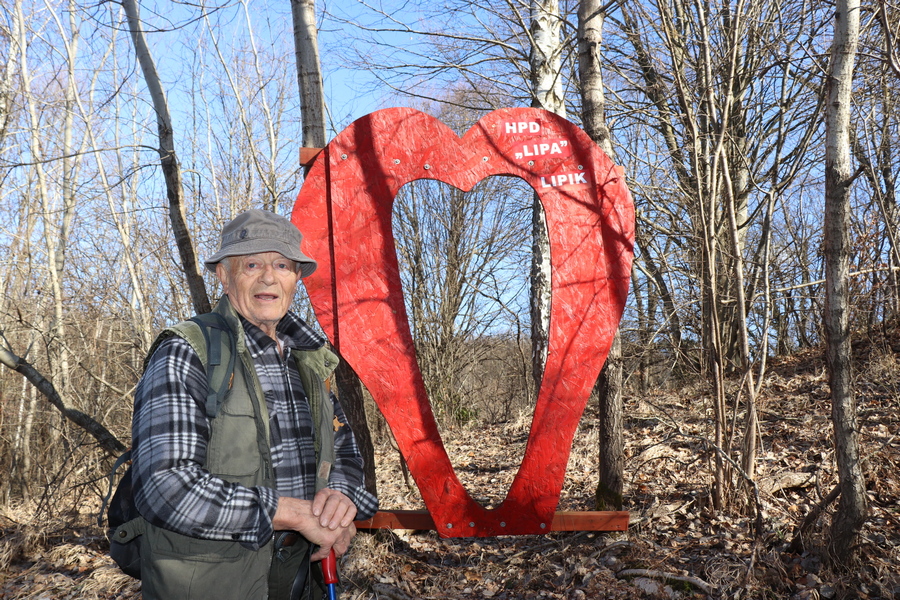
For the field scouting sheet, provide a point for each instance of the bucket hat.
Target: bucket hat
(255, 231)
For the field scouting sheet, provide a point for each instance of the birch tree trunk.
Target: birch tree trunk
(312, 106)
(54, 332)
(309, 72)
(852, 508)
(611, 445)
(169, 161)
(547, 93)
(70, 162)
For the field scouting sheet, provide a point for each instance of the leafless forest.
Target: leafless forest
(761, 327)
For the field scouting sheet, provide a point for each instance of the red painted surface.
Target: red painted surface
(344, 211)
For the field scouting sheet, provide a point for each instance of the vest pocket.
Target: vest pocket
(234, 453)
(169, 543)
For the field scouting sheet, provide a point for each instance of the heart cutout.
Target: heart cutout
(344, 210)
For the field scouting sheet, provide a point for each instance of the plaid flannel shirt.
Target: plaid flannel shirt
(170, 432)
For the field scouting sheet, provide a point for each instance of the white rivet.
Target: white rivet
(502, 523)
(343, 157)
(427, 167)
(581, 167)
(530, 163)
(449, 525)
(471, 523)
(396, 161)
(543, 526)
(484, 159)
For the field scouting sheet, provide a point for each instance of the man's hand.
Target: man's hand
(327, 521)
(340, 545)
(333, 508)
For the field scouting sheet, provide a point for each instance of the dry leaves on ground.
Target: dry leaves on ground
(677, 546)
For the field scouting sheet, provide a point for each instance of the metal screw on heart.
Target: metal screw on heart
(343, 157)
(396, 161)
(484, 159)
(530, 163)
(581, 167)
(449, 525)
(427, 167)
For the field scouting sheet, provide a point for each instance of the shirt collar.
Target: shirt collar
(295, 332)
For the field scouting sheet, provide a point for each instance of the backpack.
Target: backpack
(122, 515)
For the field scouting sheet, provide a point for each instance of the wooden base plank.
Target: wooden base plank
(595, 520)
(562, 521)
(398, 519)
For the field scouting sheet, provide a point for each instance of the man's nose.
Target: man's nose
(267, 274)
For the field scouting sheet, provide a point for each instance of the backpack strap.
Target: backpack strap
(123, 458)
(212, 325)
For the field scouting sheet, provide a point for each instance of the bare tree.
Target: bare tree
(591, 16)
(312, 102)
(89, 275)
(703, 77)
(169, 161)
(852, 507)
(528, 38)
(454, 249)
(547, 93)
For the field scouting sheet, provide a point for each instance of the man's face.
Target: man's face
(260, 287)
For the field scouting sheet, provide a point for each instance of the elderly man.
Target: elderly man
(239, 501)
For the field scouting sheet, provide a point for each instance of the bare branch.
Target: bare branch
(107, 440)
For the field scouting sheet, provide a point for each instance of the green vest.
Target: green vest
(177, 566)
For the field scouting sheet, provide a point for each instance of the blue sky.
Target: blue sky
(350, 91)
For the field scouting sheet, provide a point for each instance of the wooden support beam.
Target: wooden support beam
(562, 521)
(398, 519)
(308, 155)
(595, 520)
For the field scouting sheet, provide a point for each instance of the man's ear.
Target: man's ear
(223, 275)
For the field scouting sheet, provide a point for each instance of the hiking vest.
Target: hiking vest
(178, 566)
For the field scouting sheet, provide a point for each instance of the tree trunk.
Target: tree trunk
(609, 384)
(354, 405)
(611, 484)
(312, 109)
(547, 93)
(852, 508)
(309, 72)
(168, 161)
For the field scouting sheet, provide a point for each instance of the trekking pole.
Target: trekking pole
(329, 570)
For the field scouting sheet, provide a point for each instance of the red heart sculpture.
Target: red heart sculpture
(344, 211)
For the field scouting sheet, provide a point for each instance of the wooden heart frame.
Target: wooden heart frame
(344, 211)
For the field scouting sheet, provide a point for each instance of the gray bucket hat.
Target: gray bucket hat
(255, 231)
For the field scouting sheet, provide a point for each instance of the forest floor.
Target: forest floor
(676, 546)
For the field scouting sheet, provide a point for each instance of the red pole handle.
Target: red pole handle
(329, 568)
